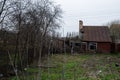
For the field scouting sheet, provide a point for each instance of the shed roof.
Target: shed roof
(96, 34)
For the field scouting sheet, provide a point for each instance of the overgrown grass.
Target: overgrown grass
(78, 67)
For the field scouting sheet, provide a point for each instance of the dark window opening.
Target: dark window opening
(78, 44)
(92, 46)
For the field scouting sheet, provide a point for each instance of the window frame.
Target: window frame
(93, 44)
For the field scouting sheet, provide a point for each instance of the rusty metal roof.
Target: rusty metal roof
(96, 34)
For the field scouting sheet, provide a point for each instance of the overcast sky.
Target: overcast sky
(91, 12)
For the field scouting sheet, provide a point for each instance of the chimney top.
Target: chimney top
(81, 22)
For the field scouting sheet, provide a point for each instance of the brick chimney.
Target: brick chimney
(80, 29)
(80, 24)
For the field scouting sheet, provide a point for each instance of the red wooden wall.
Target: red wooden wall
(104, 47)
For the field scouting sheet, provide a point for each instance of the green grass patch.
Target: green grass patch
(78, 67)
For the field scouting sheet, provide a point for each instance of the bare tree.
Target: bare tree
(17, 20)
(115, 30)
(5, 10)
(44, 17)
(2, 7)
(47, 15)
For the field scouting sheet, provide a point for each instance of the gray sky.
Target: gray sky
(92, 12)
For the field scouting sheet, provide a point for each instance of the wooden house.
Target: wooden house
(95, 38)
